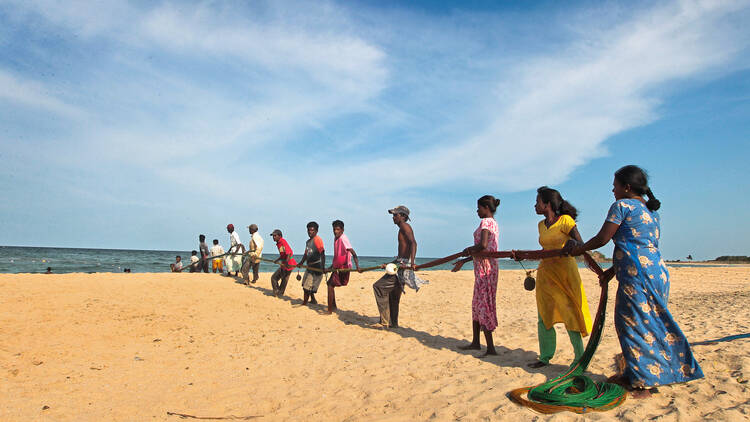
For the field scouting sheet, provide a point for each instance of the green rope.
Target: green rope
(572, 390)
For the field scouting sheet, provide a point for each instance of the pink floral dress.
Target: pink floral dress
(483, 308)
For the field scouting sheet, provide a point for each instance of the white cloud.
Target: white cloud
(32, 94)
(201, 97)
(552, 114)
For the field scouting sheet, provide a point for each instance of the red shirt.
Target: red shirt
(285, 253)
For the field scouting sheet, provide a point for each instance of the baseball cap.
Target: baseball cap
(401, 209)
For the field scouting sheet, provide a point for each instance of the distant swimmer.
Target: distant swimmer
(176, 267)
(49, 270)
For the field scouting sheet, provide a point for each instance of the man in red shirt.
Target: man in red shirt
(287, 264)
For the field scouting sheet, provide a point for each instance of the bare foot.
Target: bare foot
(488, 353)
(536, 365)
(470, 346)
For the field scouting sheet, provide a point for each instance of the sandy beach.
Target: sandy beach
(134, 347)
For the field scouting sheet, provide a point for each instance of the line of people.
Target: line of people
(654, 349)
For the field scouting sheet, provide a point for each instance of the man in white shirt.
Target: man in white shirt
(253, 260)
(176, 267)
(217, 263)
(236, 249)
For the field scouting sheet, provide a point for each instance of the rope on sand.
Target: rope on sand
(230, 417)
(573, 391)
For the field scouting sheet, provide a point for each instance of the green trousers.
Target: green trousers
(548, 342)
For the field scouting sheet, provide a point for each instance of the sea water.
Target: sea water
(16, 259)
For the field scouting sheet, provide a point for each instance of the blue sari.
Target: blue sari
(654, 348)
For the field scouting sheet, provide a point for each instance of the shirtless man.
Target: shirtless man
(389, 288)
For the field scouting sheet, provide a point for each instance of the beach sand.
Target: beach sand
(133, 347)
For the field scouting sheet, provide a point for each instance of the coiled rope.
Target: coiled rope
(573, 391)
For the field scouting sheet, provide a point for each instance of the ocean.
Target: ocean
(17, 259)
(27, 259)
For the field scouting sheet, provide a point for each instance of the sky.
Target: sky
(139, 125)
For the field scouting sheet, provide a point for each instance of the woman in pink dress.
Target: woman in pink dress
(483, 309)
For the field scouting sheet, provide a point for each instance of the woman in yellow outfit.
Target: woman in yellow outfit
(559, 293)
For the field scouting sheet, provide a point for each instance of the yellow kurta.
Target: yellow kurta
(559, 293)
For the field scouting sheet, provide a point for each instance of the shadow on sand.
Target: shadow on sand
(506, 357)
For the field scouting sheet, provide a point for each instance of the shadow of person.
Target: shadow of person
(505, 358)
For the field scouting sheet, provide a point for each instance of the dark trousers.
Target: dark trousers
(283, 275)
(388, 295)
(204, 265)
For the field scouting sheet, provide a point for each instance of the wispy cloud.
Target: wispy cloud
(368, 105)
(29, 93)
(545, 116)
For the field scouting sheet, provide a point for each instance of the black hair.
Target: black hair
(313, 225)
(202, 238)
(194, 253)
(489, 201)
(178, 257)
(216, 241)
(338, 223)
(637, 178)
(555, 200)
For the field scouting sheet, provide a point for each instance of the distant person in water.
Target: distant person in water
(280, 277)
(205, 254)
(236, 249)
(176, 267)
(389, 288)
(194, 262)
(343, 253)
(49, 270)
(217, 263)
(315, 256)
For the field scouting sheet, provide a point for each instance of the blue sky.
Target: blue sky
(139, 125)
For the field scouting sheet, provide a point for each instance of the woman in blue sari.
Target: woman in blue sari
(654, 349)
